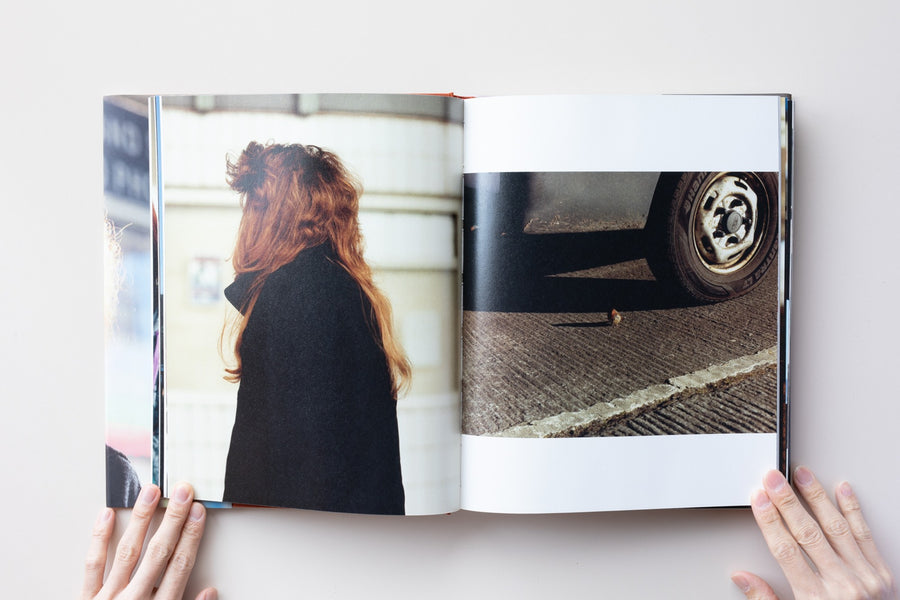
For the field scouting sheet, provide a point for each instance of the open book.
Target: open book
(592, 293)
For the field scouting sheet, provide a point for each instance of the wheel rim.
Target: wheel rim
(727, 224)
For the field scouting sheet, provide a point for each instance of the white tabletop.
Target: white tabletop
(840, 67)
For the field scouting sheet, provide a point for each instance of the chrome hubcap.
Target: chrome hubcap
(726, 223)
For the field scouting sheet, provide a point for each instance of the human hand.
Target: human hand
(170, 554)
(843, 561)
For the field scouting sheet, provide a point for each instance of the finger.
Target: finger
(803, 527)
(208, 594)
(754, 587)
(95, 564)
(182, 561)
(849, 506)
(835, 526)
(129, 549)
(782, 545)
(164, 541)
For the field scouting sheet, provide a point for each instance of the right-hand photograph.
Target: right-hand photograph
(620, 303)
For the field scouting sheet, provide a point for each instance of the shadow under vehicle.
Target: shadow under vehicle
(707, 236)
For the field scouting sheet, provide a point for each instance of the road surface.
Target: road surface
(546, 361)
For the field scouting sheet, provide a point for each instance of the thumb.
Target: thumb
(754, 587)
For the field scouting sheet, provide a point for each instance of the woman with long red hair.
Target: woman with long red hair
(316, 357)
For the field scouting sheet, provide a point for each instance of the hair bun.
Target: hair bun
(248, 173)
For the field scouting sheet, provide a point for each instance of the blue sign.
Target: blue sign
(126, 154)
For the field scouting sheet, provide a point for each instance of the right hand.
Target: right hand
(846, 565)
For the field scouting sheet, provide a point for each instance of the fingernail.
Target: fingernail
(845, 490)
(182, 493)
(196, 512)
(149, 494)
(774, 481)
(803, 476)
(104, 516)
(760, 499)
(741, 582)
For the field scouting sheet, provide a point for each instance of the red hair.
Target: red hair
(296, 197)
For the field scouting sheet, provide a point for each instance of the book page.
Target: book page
(289, 424)
(623, 301)
(128, 299)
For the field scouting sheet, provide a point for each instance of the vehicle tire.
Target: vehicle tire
(712, 236)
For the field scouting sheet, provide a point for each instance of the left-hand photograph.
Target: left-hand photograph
(307, 292)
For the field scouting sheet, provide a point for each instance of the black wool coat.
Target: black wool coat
(316, 422)
(122, 482)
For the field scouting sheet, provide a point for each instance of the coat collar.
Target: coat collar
(237, 293)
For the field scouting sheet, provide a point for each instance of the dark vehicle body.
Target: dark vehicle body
(707, 236)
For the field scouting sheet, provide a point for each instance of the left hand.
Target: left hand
(168, 560)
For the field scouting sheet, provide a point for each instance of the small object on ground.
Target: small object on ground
(614, 317)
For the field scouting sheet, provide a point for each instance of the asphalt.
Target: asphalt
(523, 367)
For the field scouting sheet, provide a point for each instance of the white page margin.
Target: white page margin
(622, 133)
(540, 475)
